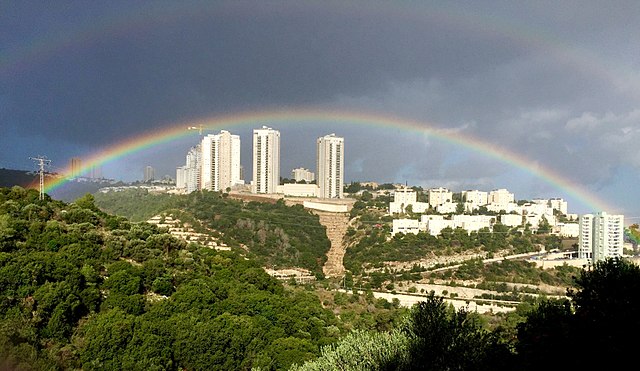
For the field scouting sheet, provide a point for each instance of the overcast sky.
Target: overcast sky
(556, 82)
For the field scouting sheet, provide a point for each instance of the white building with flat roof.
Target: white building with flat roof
(330, 166)
(559, 204)
(570, 230)
(405, 226)
(300, 174)
(473, 223)
(439, 196)
(447, 208)
(405, 197)
(266, 160)
(500, 197)
(510, 220)
(473, 199)
(509, 207)
(298, 190)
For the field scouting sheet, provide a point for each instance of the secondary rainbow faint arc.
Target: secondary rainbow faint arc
(302, 116)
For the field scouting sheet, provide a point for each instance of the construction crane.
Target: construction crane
(199, 128)
(42, 161)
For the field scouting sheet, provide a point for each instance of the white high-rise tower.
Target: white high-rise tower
(220, 161)
(330, 166)
(266, 160)
(193, 169)
(601, 236)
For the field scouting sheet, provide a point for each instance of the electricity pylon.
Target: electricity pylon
(42, 161)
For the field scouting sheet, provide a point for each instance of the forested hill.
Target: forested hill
(276, 235)
(82, 289)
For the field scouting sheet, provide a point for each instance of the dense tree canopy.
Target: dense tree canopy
(276, 235)
(83, 289)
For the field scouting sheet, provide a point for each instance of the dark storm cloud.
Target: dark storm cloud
(556, 82)
(230, 59)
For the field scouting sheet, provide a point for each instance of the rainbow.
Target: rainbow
(301, 116)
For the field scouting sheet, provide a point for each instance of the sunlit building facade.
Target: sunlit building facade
(601, 236)
(330, 163)
(220, 161)
(266, 160)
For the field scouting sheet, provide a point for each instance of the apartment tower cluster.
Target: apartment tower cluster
(214, 164)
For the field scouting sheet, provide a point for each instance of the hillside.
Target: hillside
(276, 235)
(80, 288)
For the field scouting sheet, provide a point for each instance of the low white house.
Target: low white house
(511, 220)
(567, 229)
(405, 226)
(298, 190)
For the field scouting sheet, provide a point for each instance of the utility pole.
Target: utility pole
(42, 161)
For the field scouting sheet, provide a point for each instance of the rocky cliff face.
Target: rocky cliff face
(336, 224)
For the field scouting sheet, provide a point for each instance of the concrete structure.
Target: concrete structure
(474, 199)
(435, 226)
(559, 204)
(328, 207)
(298, 190)
(149, 174)
(406, 226)
(447, 208)
(220, 161)
(181, 177)
(509, 207)
(571, 230)
(473, 223)
(330, 166)
(601, 236)
(193, 168)
(300, 174)
(510, 220)
(439, 196)
(405, 197)
(266, 160)
(500, 197)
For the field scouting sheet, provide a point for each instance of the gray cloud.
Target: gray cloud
(538, 79)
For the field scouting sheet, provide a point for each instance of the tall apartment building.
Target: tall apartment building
(301, 173)
(266, 160)
(193, 168)
(330, 164)
(181, 177)
(220, 161)
(149, 174)
(600, 236)
(76, 167)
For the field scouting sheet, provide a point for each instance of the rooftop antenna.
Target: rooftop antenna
(199, 128)
(42, 161)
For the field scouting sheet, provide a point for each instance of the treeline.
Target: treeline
(372, 245)
(592, 330)
(276, 235)
(82, 289)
